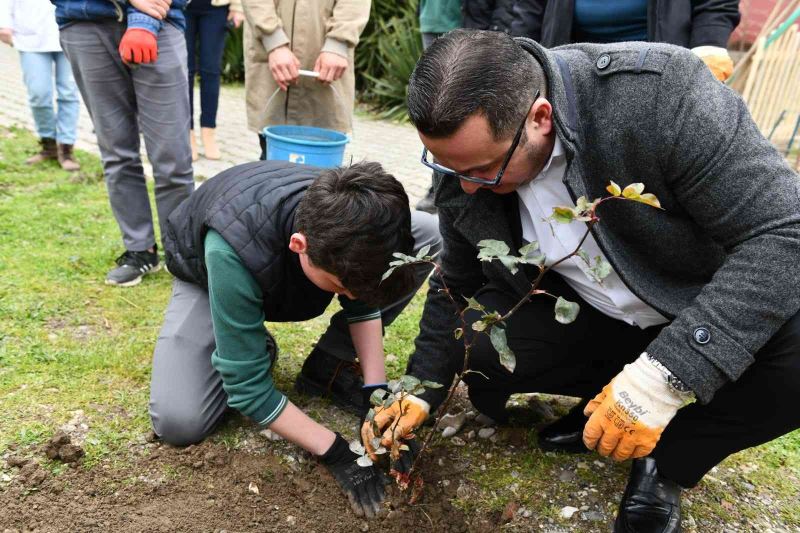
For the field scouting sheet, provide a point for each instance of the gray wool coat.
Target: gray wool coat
(720, 261)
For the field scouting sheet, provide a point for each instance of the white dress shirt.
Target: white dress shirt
(33, 23)
(537, 200)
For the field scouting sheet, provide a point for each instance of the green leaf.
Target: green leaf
(387, 274)
(479, 325)
(566, 311)
(458, 333)
(405, 258)
(394, 385)
(510, 262)
(582, 204)
(377, 396)
(500, 343)
(649, 199)
(356, 447)
(490, 248)
(370, 415)
(634, 190)
(364, 461)
(583, 255)
(614, 189)
(563, 215)
(602, 268)
(423, 251)
(472, 303)
(432, 384)
(409, 383)
(529, 248)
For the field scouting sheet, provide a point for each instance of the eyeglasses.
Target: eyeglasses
(474, 179)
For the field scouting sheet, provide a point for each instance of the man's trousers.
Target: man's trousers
(121, 100)
(578, 359)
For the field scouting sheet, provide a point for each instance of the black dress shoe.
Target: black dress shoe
(651, 503)
(566, 433)
(326, 375)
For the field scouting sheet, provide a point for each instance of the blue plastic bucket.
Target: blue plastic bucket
(305, 145)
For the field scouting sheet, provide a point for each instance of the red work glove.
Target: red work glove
(138, 46)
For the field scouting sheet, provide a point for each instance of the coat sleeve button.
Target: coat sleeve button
(702, 336)
(603, 61)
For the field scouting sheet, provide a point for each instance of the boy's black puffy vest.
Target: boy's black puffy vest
(252, 206)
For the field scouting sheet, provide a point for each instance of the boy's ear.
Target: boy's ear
(298, 243)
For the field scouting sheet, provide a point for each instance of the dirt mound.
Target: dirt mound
(208, 488)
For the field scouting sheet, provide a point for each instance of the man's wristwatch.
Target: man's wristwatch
(673, 382)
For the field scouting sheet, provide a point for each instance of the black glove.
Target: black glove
(406, 459)
(363, 485)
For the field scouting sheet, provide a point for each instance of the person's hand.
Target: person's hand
(155, 8)
(716, 59)
(363, 485)
(394, 423)
(629, 415)
(138, 46)
(284, 66)
(330, 67)
(6, 35)
(236, 18)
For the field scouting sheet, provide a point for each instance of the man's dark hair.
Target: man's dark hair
(354, 218)
(469, 71)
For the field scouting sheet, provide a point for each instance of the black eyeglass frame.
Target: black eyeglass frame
(483, 181)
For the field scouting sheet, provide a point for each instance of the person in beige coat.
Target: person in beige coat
(282, 37)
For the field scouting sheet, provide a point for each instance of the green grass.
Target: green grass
(68, 342)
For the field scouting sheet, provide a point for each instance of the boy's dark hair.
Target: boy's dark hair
(354, 218)
(469, 71)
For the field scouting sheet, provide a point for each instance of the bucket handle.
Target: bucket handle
(308, 74)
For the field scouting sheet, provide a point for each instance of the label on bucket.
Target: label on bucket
(297, 158)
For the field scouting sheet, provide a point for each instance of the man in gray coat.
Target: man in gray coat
(702, 297)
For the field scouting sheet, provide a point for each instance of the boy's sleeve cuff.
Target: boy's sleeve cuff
(274, 40)
(336, 47)
(267, 413)
(141, 21)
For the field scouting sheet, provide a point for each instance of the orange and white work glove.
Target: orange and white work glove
(138, 46)
(395, 424)
(628, 417)
(716, 59)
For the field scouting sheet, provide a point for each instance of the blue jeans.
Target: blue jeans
(206, 29)
(37, 69)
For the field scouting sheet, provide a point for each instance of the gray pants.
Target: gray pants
(156, 94)
(186, 395)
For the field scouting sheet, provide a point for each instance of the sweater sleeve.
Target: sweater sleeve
(266, 24)
(357, 311)
(344, 28)
(241, 356)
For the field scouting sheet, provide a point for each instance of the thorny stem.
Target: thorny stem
(468, 344)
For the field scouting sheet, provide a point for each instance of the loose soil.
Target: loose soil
(209, 488)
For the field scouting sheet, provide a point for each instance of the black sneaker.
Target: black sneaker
(132, 266)
(340, 380)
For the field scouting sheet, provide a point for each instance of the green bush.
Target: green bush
(233, 57)
(386, 55)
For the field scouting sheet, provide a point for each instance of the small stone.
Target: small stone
(446, 482)
(270, 435)
(471, 434)
(749, 487)
(601, 464)
(584, 507)
(458, 441)
(485, 433)
(567, 476)
(593, 516)
(253, 488)
(198, 464)
(449, 432)
(581, 464)
(527, 513)
(291, 520)
(470, 415)
(441, 461)
(364, 526)
(568, 511)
